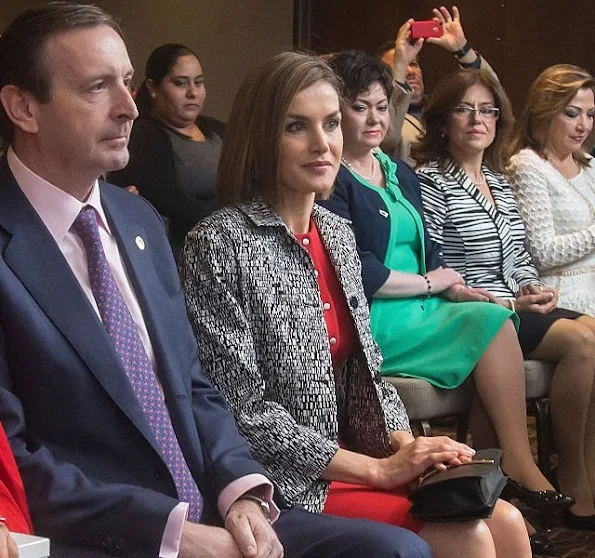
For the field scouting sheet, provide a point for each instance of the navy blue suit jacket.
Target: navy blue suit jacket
(368, 213)
(88, 458)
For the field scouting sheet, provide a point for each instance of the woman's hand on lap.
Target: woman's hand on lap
(414, 458)
(537, 298)
(444, 278)
(462, 293)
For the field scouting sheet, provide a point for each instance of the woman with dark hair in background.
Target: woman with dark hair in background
(274, 292)
(553, 179)
(471, 213)
(174, 150)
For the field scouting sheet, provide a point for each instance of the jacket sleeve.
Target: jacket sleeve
(398, 107)
(548, 248)
(394, 408)
(218, 313)
(342, 202)
(72, 507)
(151, 169)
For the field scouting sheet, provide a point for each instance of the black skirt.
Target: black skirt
(534, 326)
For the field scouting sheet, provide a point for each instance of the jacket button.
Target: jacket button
(353, 302)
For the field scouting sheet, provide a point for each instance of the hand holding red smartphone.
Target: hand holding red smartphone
(426, 29)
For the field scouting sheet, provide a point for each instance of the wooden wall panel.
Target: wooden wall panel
(519, 37)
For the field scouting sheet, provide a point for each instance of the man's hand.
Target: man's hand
(453, 38)
(8, 548)
(251, 531)
(405, 52)
(203, 541)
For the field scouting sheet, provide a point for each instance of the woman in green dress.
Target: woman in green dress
(426, 321)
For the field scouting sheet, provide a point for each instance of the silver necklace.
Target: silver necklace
(352, 169)
(574, 187)
(481, 181)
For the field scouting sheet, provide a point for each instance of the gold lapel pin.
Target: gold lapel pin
(140, 243)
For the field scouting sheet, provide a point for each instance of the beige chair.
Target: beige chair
(425, 402)
(538, 380)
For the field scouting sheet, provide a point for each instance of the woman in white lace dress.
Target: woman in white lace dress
(553, 179)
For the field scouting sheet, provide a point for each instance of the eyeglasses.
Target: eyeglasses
(491, 113)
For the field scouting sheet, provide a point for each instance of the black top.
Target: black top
(176, 174)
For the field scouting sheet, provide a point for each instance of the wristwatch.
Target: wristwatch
(264, 505)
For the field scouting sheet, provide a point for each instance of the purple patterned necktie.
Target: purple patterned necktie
(121, 329)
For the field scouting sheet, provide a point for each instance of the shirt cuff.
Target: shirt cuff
(236, 489)
(404, 86)
(172, 536)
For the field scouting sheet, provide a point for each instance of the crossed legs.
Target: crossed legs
(571, 344)
(500, 383)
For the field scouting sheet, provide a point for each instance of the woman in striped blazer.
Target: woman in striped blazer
(471, 213)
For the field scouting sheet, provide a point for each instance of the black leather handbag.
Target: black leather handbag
(463, 492)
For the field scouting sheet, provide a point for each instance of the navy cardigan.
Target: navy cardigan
(370, 219)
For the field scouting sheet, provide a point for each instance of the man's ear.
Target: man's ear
(20, 107)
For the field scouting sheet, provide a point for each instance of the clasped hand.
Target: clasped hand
(247, 534)
(536, 298)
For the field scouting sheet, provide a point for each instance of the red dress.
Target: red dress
(13, 502)
(346, 499)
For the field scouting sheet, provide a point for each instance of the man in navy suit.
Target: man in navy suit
(99, 479)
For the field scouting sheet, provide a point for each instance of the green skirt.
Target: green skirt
(439, 341)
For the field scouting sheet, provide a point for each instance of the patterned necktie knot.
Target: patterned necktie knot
(86, 226)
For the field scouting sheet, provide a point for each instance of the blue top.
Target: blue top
(366, 209)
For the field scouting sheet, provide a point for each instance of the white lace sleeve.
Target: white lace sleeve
(558, 222)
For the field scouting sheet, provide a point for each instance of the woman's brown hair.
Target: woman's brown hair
(445, 97)
(249, 162)
(548, 96)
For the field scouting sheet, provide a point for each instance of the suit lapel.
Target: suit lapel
(502, 222)
(33, 256)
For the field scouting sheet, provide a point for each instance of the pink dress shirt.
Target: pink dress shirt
(58, 210)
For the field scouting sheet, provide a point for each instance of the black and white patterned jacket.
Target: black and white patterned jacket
(254, 303)
(485, 244)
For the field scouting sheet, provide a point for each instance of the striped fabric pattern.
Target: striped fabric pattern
(482, 242)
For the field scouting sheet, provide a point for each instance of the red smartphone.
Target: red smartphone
(426, 29)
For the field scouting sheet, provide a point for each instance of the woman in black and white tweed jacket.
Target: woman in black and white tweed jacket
(293, 354)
